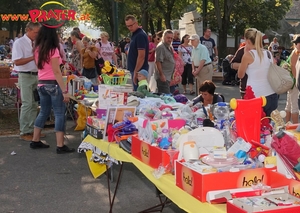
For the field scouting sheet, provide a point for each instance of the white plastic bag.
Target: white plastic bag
(152, 84)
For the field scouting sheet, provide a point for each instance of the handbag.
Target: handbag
(99, 63)
(36, 95)
(279, 78)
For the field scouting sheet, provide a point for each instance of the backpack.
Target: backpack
(99, 62)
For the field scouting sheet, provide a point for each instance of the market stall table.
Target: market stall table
(166, 184)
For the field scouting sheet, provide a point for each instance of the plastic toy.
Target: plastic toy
(248, 116)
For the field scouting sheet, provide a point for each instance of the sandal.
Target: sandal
(192, 92)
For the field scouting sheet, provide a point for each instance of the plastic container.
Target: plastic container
(221, 113)
(115, 80)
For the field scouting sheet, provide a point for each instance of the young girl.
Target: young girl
(52, 91)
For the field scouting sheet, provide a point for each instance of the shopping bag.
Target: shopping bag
(279, 78)
(152, 84)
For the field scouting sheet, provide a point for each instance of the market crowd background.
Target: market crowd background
(225, 17)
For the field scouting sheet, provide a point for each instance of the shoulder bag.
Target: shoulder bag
(279, 78)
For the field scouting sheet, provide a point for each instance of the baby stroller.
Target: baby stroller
(229, 75)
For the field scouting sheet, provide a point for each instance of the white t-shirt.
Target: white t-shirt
(274, 46)
(258, 75)
(106, 51)
(186, 53)
(23, 49)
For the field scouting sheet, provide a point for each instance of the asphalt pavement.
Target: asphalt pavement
(39, 181)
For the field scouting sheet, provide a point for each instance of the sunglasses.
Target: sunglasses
(130, 25)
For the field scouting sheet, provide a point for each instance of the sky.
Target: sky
(86, 29)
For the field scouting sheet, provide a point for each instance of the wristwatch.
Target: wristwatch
(65, 92)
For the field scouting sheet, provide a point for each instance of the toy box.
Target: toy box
(96, 133)
(198, 184)
(274, 203)
(113, 95)
(278, 180)
(150, 155)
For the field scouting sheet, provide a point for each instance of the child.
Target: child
(143, 86)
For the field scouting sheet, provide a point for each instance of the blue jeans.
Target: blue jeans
(51, 97)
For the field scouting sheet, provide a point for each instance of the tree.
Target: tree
(170, 10)
(234, 16)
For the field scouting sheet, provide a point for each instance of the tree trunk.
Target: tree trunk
(236, 38)
(151, 25)
(23, 28)
(145, 21)
(222, 49)
(11, 29)
(145, 14)
(159, 25)
(19, 25)
(167, 17)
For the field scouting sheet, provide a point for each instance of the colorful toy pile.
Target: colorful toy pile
(113, 76)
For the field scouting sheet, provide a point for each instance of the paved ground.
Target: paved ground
(36, 181)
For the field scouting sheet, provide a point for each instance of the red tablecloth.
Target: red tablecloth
(8, 82)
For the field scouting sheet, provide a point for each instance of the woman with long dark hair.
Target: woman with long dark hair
(52, 91)
(185, 52)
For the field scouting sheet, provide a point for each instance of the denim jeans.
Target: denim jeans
(51, 97)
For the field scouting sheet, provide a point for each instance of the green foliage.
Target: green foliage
(233, 16)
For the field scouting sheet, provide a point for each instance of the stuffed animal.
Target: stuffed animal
(108, 68)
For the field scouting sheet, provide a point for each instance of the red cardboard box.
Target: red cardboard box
(278, 180)
(198, 185)
(150, 155)
(234, 206)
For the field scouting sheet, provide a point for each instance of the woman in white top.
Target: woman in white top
(291, 108)
(256, 63)
(106, 49)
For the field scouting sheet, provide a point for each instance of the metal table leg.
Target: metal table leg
(112, 199)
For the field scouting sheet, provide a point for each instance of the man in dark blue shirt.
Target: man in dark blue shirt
(137, 58)
(210, 43)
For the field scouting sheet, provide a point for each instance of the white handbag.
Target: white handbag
(280, 79)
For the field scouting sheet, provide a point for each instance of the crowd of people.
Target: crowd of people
(38, 54)
(251, 62)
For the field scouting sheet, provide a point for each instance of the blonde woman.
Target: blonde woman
(106, 49)
(256, 63)
(88, 55)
